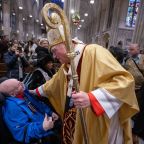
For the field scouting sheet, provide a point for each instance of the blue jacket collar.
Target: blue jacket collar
(17, 100)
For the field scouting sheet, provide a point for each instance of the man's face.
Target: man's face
(14, 47)
(13, 87)
(60, 53)
(15, 41)
(44, 44)
(133, 50)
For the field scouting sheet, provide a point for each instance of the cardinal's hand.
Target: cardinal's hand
(81, 99)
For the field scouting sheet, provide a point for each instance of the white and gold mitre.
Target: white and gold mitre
(55, 36)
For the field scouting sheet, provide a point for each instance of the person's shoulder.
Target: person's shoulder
(37, 49)
(10, 103)
(7, 53)
(37, 74)
(37, 71)
(96, 49)
(13, 100)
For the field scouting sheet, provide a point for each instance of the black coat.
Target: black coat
(38, 79)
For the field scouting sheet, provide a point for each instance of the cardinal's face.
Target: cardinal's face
(60, 53)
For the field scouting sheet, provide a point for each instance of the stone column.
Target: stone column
(6, 17)
(37, 31)
(30, 27)
(139, 30)
(68, 6)
(115, 22)
(20, 26)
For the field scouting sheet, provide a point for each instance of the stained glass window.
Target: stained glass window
(132, 13)
(58, 2)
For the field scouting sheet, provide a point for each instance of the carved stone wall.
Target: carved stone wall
(98, 27)
(125, 36)
(26, 28)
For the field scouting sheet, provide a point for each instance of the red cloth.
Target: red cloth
(20, 96)
(97, 108)
(37, 92)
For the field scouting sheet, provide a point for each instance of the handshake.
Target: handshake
(48, 122)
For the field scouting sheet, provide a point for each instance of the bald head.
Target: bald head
(134, 49)
(11, 87)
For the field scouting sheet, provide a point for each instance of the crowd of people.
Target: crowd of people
(35, 116)
(22, 58)
(133, 61)
(29, 65)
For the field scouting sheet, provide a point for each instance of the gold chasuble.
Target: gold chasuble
(98, 70)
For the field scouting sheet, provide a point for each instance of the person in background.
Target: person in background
(43, 72)
(15, 41)
(35, 44)
(28, 49)
(39, 51)
(33, 57)
(135, 65)
(118, 53)
(43, 48)
(120, 44)
(15, 61)
(28, 119)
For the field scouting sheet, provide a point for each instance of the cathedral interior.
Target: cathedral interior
(110, 71)
(106, 22)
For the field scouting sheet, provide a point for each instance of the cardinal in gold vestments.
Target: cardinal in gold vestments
(106, 94)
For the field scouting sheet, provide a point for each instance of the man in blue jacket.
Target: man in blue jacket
(27, 118)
